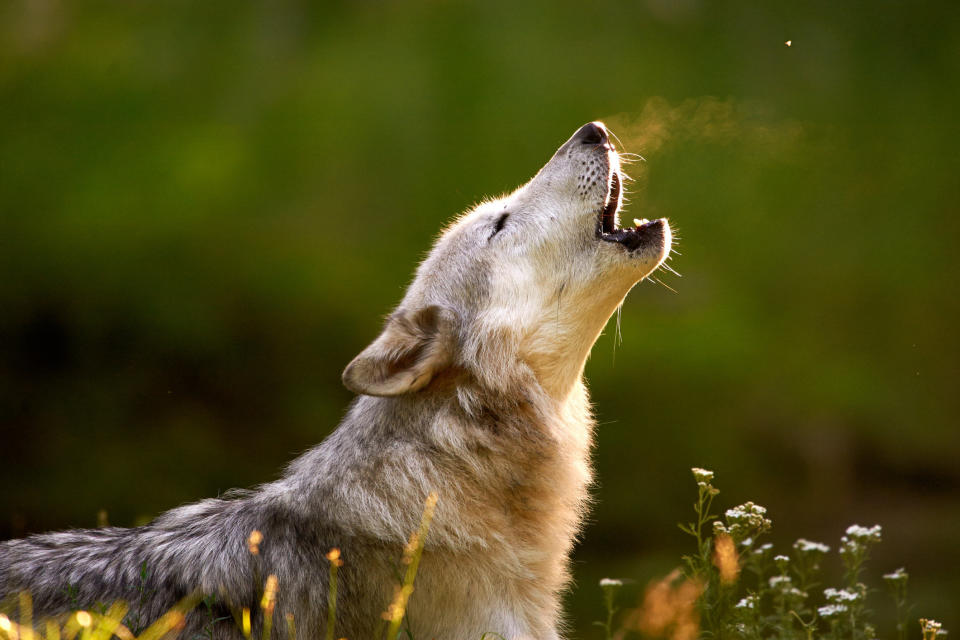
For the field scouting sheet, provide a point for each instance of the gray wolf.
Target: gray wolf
(473, 390)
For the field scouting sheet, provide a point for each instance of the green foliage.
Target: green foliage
(135, 617)
(610, 588)
(764, 595)
(211, 620)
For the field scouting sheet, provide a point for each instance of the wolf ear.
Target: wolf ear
(413, 347)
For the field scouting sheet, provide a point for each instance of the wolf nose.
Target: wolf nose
(592, 133)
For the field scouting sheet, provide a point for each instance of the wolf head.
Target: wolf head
(519, 287)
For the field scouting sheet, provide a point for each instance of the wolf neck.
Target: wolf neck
(561, 376)
(558, 351)
(511, 475)
(527, 450)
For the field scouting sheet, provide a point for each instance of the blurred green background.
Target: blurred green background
(206, 208)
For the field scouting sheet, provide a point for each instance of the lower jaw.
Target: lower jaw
(646, 234)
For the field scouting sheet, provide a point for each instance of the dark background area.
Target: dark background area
(206, 208)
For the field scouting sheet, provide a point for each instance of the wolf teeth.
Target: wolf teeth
(640, 222)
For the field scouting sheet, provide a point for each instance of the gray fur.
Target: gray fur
(473, 390)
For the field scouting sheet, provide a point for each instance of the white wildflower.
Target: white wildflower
(858, 539)
(900, 575)
(932, 629)
(931, 625)
(864, 535)
(747, 511)
(807, 546)
(782, 562)
(747, 520)
(841, 595)
(780, 582)
(831, 610)
(702, 475)
(747, 603)
(610, 582)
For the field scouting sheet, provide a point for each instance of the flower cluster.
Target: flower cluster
(702, 476)
(832, 610)
(859, 537)
(841, 596)
(779, 582)
(782, 562)
(802, 545)
(745, 521)
(782, 587)
(931, 629)
(896, 577)
(855, 547)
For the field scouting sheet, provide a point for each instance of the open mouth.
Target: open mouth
(608, 221)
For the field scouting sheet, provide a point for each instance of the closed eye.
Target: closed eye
(498, 226)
